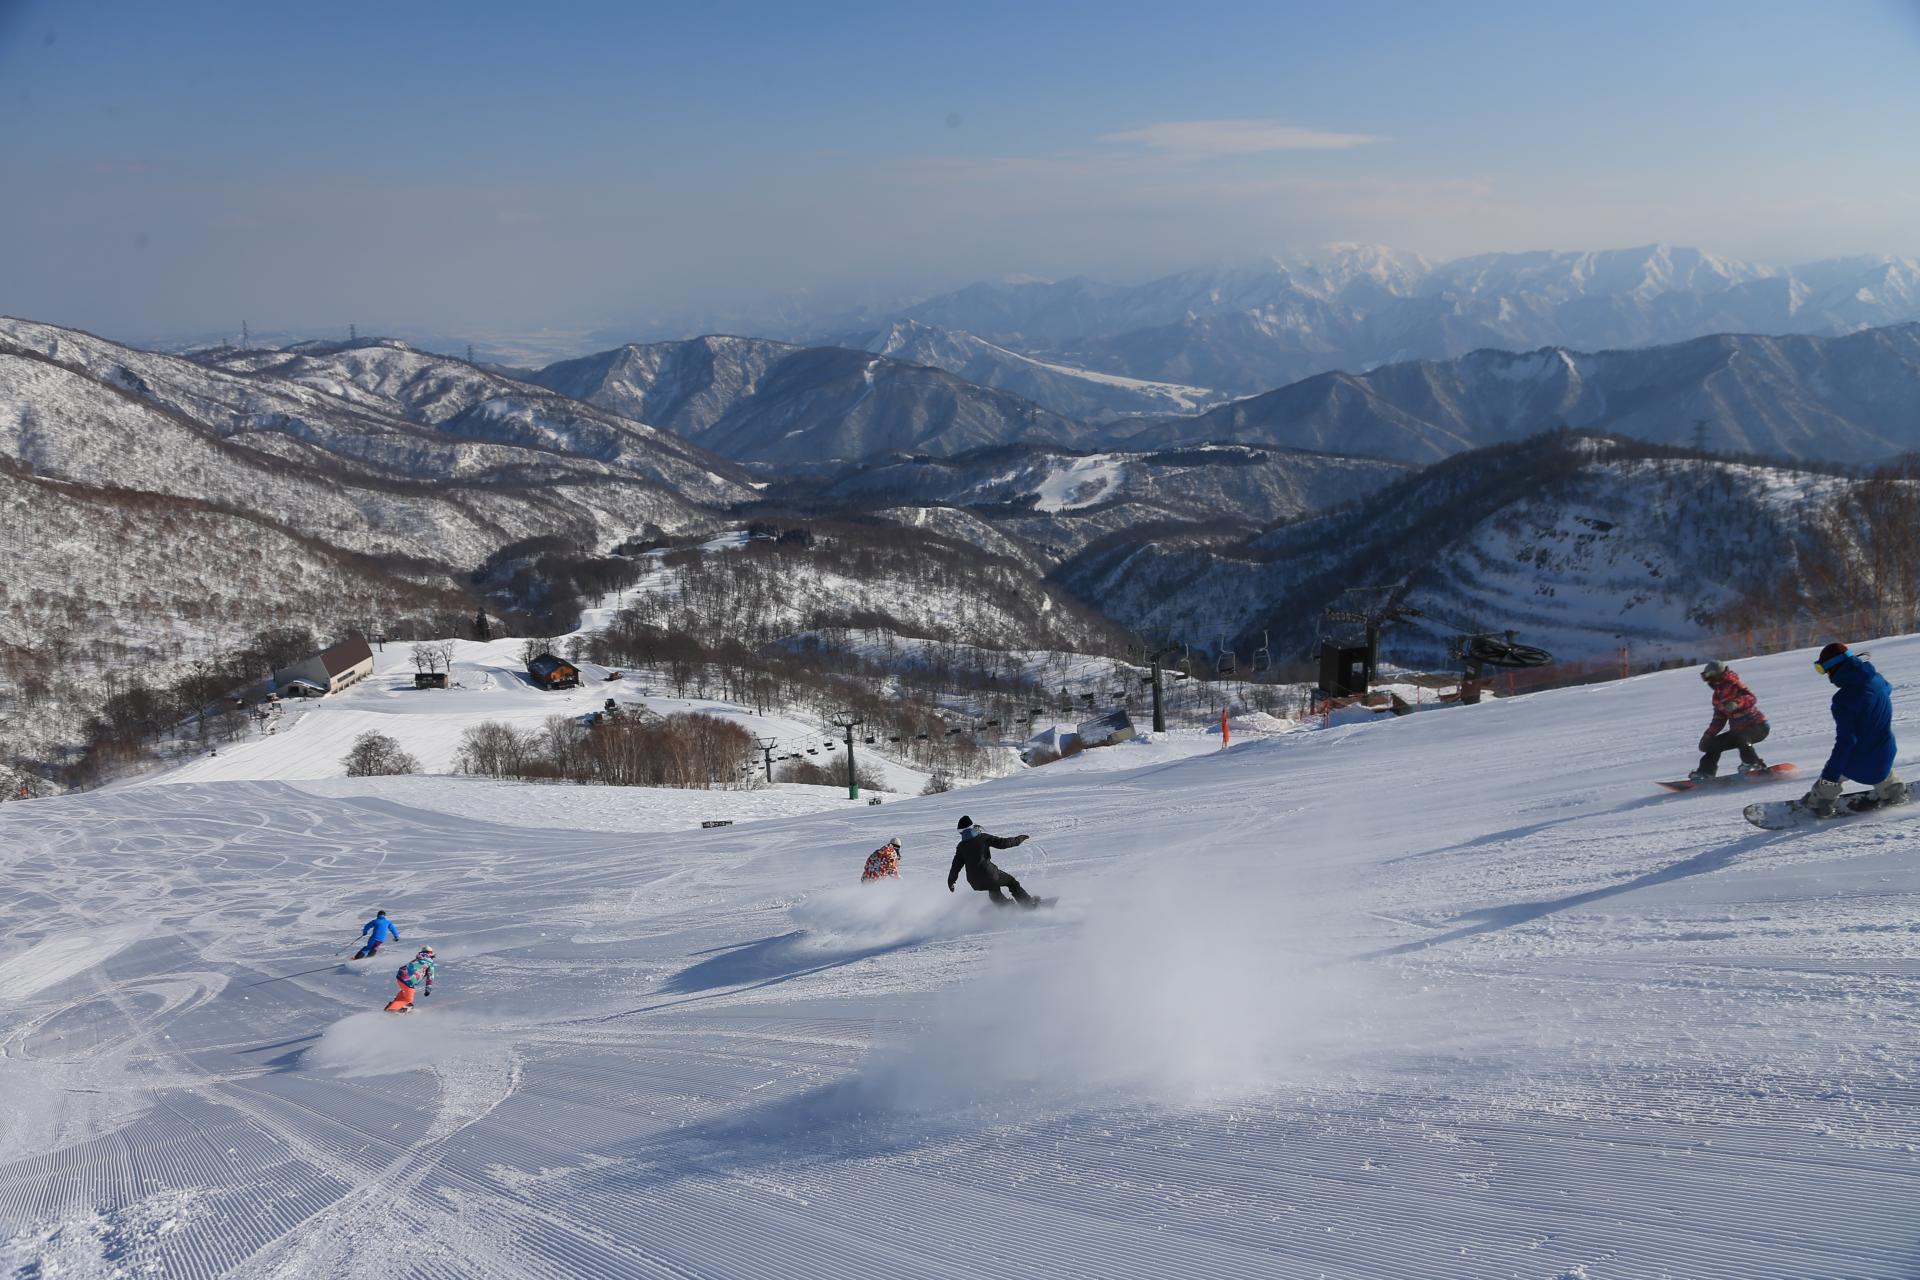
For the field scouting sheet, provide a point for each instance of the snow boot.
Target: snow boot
(1891, 790)
(1700, 775)
(1758, 766)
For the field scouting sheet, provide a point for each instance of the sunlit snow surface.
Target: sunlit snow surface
(1455, 995)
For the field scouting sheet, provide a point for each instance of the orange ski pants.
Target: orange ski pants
(401, 1001)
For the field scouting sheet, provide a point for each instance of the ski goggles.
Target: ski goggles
(1826, 668)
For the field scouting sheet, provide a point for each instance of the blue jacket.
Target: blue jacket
(383, 930)
(1863, 744)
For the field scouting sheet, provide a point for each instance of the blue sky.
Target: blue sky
(477, 167)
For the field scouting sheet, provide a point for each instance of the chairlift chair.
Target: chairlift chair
(1263, 656)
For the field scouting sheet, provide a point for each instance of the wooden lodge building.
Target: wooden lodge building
(329, 671)
(549, 672)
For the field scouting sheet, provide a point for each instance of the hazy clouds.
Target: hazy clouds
(433, 177)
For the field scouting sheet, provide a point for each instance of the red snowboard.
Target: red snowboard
(1772, 773)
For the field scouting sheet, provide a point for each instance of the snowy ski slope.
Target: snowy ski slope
(488, 683)
(1455, 995)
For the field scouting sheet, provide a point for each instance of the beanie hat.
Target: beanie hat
(965, 823)
(1832, 656)
(1713, 671)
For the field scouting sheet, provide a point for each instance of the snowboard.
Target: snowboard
(1772, 773)
(1784, 815)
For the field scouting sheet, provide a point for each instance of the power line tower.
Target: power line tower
(353, 333)
(1700, 434)
(246, 338)
(469, 353)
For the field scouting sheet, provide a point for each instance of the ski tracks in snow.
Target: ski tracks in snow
(1633, 1040)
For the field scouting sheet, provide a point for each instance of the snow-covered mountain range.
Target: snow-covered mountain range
(1054, 501)
(771, 403)
(1851, 399)
(156, 508)
(1078, 393)
(157, 505)
(1573, 540)
(1249, 328)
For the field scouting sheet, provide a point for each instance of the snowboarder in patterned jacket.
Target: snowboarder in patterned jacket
(975, 853)
(415, 975)
(382, 930)
(1863, 745)
(1737, 724)
(883, 862)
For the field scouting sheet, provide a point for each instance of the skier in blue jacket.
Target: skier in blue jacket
(1863, 745)
(382, 930)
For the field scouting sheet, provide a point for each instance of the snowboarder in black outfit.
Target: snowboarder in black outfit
(975, 853)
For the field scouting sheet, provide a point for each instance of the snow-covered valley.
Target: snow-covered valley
(1460, 994)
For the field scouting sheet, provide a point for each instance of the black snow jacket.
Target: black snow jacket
(975, 853)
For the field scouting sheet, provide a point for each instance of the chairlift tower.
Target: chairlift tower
(853, 780)
(1487, 649)
(765, 747)
(1371, 621)
(1156, 660)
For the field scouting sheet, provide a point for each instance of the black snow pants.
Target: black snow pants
(1741, 740)
(995, 881)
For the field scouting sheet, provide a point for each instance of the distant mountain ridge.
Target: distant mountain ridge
(1250, 328)
(1848, 399)
(1570, 539)
(771, 403)
(1077, 393)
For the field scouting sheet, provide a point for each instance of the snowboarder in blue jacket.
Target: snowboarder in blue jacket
(1863, 745)
(382, 930)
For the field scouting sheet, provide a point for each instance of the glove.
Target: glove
(1022, 839)
(949, 886)
(426, 993)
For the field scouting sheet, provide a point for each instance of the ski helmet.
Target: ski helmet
(894, 841)
(426, 951)
(1713, 671)
(1832, 656)
(379, 913)
(965, 823)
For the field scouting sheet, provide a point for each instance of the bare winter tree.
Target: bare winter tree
(433, 655)
(376, 755)
(496, 750)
